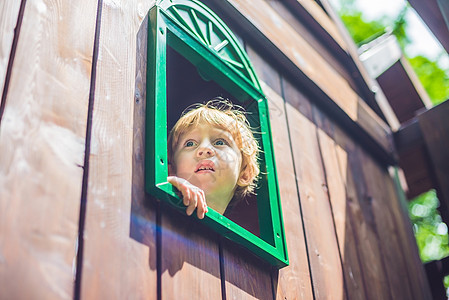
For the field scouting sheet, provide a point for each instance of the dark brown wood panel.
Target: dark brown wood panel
(414, 265)
(403, 96)
(292, 282)
(380, 204)
(362, 221)
(324, 20)
(265, 72)
(434, 125)
(416, 164)
(246, 276)
(42, 142)
(335, 160)
(119, 237)
(324, 257)
(190, 260)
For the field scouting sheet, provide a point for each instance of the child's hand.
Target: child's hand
(192, 196)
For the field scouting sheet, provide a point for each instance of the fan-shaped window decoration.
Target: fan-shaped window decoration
(193, 54)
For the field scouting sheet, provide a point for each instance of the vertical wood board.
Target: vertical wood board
(324, 20)
(414, 265)
(434, 125)
(326, 269)
(246, 276)
(380, 204)
(293, 281)
(335, 161)
(118, 262)
(42, 139)
(190, 259)
(363, 223)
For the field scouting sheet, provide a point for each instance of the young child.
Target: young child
(213, 157)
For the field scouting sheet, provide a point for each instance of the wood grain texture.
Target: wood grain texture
(380, 204)
(119, 242)
(9, 10)
(42, 138)
(335, 160)
(324, 20)
(324, 257)
(434, 125)
(293, 282)
(246, 276)
(363, 222)
(414, 266)
(190, 259)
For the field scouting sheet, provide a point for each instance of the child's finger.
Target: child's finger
(193, 203)
(202, 207)
(187, 195)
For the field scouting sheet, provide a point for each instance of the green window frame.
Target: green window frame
(195, 32)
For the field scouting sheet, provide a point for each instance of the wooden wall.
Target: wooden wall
(75, 221)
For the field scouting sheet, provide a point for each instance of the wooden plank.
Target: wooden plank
(42, 140)
(324, 20)
(409, 248)
(246, 276)
(190, 260)
(362, 220)
(335, 160)
(9, 12)
(434, 125)
(380, 204)
(406, 96)
(265, 72)
(324, 258)
(293, 282)
(119, 243)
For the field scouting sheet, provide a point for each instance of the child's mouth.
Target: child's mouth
(205, 166)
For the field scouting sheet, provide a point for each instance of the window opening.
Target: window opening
(185, 87)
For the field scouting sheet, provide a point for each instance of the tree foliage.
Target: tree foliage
(430, 232)
(360, 30)
(434, 79)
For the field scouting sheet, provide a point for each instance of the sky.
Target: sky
(423, 42)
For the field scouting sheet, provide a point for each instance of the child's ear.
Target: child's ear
(244, 178)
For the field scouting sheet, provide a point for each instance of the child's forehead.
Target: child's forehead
(206, 128)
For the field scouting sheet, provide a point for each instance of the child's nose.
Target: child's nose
(205, 151)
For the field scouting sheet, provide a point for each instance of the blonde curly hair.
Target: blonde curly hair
(224, 115)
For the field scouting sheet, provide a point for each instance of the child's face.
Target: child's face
(209, 158)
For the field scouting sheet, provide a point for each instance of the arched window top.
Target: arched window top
(208, 29)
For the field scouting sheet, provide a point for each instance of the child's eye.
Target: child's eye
(220, 142)
(189, 144)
